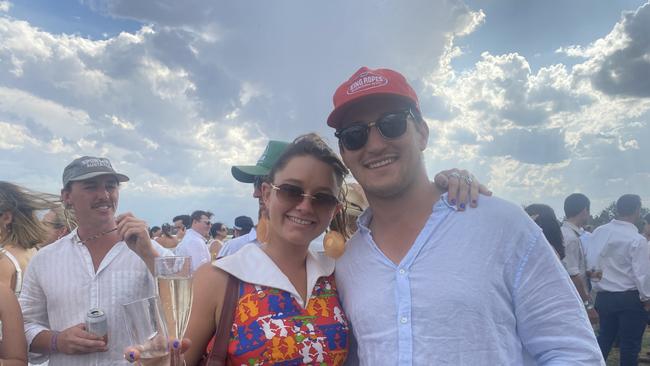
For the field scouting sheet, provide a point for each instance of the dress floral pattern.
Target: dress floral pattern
(271, 328)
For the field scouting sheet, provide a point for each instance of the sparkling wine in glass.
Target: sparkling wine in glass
(148, 331)
(174, 277)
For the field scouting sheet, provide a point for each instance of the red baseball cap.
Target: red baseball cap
(367, 82)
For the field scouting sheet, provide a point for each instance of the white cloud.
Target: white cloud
(5, 6)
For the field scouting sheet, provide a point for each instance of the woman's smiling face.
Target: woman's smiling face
(299, 221)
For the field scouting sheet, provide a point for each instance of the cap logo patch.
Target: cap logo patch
(95, 163)
(365, 81)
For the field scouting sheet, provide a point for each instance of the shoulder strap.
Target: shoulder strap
(19, 271)
(219, 352)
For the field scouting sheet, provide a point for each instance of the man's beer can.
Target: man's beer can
(97, 324)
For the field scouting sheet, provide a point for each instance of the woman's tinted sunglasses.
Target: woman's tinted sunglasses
(294, 195)
(391, 126)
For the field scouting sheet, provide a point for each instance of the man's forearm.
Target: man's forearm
(42, 343)
(580, 286)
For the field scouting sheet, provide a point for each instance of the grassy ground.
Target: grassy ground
(612, 360)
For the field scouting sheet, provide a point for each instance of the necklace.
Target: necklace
(96, 235)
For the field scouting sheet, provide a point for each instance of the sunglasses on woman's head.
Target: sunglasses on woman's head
(390, 125)
(294, 195)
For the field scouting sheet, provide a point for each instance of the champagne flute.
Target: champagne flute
(148, 331)
(174, 278)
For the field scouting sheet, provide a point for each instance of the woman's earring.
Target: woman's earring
(334, 244)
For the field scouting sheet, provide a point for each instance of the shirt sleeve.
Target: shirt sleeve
(551, 320)
(641, 267)
(33, 303)
(572, 256)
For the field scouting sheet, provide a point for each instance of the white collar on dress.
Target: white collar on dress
(251, 264)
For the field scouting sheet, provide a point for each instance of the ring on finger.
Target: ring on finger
(454, 175)
(468, 180)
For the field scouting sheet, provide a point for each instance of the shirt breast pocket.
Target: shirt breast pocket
(128, 286)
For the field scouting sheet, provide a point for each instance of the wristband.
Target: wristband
(53, 348)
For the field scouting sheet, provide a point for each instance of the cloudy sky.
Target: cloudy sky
(538, 98)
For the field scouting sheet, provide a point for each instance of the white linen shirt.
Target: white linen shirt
(481, 287)
(621, 253)
(251, 264)
(61, 285)
(194, 245)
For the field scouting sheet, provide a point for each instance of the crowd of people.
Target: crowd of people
(395, 269)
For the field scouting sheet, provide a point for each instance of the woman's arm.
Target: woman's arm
(209, 285)
(7, 272)
(13, 348)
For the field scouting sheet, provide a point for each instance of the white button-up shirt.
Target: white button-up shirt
(621, 253)
(61, 285)
(481, 287)
(194, 245)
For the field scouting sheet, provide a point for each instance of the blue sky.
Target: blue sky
(538, 99)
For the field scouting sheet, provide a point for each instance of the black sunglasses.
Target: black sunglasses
(294, 195)
(390, 125)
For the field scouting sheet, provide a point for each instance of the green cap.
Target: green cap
(247, 173)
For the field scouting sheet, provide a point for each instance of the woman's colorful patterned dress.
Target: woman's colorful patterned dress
(271, 328)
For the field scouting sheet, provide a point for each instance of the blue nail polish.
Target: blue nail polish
(462, 206)
(132, 356)
(176, 344)
(453, 201)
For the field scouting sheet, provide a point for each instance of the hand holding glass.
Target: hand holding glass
(148, 331)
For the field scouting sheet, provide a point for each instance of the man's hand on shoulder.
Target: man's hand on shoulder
(462, 187)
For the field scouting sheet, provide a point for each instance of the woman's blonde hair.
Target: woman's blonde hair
(63, 217)
(24, 230)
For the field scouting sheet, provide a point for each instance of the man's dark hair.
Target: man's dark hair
(574, 204)
(627, 204)
(215, 228)
(153, 230)
(186, 219)
(196, 215)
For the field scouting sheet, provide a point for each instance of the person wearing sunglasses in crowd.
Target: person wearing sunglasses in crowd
(195, 239)
(422, 284)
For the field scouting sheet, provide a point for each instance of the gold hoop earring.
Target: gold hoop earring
(334, 244)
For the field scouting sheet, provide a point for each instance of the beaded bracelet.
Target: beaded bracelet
(53, 348)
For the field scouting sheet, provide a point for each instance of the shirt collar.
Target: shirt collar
(626, 225)
(364, 220)
(251, 264)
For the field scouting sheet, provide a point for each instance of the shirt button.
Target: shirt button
(402, 271)
(403, 320)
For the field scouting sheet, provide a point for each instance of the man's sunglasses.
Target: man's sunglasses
(294, 195)
(390, 125)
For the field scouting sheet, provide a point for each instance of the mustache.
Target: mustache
(103, 203)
